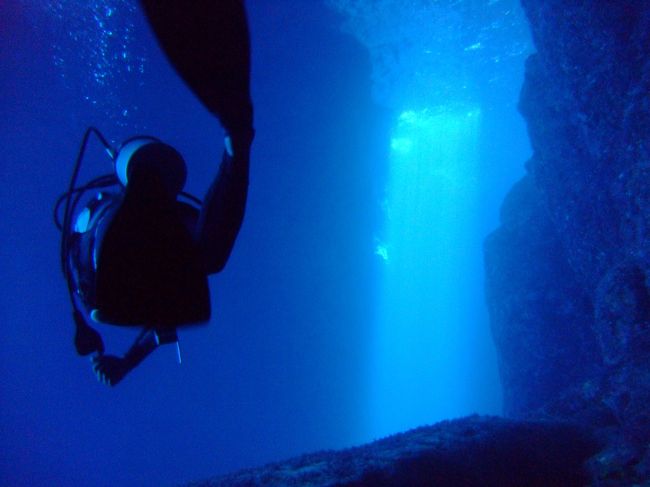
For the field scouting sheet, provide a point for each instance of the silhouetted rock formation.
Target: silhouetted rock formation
(569, 268)
(469, 452)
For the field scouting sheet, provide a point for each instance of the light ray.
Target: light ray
(425, 310)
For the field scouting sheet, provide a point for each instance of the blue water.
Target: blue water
(352, 306)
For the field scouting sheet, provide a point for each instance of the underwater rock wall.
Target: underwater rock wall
(568, 271)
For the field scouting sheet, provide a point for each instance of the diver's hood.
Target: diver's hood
(144, 153)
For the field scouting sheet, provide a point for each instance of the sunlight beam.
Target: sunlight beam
(423, 310)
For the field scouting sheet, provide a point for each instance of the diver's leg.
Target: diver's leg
(224, 205)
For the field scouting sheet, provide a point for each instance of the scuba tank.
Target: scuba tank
(128, 254)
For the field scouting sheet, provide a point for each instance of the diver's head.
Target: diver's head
(148, 157)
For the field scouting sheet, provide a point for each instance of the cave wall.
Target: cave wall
(568, 270)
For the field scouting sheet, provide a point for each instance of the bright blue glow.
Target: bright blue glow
(431, 284)
(81, 224)
(382, 251)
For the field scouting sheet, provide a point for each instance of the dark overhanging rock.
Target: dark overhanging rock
(469, 452)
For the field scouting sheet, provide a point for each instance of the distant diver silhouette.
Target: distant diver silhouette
(138, 253)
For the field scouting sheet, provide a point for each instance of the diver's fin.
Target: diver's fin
(207, 42)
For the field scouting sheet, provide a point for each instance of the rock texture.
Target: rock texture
(475, 451)
(568, 271)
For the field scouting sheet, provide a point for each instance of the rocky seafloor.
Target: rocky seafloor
(474, 451)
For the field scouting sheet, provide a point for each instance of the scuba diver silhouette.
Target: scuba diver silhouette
(138, 253)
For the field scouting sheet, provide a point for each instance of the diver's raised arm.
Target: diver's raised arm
(224, 205)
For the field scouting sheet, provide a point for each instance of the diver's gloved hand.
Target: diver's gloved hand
(86, 339)
(110, 369)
